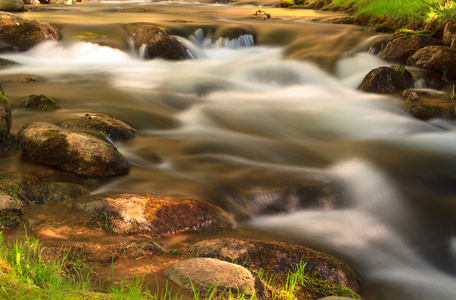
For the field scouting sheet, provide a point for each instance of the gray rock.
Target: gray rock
(207, 273)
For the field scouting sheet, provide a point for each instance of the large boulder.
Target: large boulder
(82, 154)
(20, 34)
(439, 59)
(401, 48)
(278, 257)
(153, 215)
(5, 116)
(387, 80)
(155, 42)
(111, 127)
(205, 274)
(12, 5)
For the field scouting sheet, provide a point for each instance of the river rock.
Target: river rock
(386, 80)
(5, 116)
(439, 59)
(449, 34)
(21, 34)
(10, 211)
(278, 257)
(12, 5)
(66, 191)
(157, 42)
(153, 215)
(401, 48)
(111, 127)
(203, 274)
(41, 102)
(78, 153)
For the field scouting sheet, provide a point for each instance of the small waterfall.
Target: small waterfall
(205, 41)
(142, 51)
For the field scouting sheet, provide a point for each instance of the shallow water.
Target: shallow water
(257, 118)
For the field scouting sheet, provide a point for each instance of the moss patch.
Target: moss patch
(41, 102)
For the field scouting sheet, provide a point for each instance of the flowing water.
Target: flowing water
(250, 119)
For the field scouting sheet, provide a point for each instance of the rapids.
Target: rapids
(279, 104)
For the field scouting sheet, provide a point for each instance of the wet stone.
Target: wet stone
(153, 215)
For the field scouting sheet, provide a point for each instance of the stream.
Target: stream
(248, 120)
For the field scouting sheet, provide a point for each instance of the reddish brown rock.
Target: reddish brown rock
(154, 215)
(81, 154)
(439, 59)
(401, 48)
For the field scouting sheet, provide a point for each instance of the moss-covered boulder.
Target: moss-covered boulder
(401, 48)
(10, 211)
(82, 154)
(100, 123)
(384, 80)
(12, 5)
(41, 102)
(5, 116)
(153, 215)
(276, 257)
(155, 42)
(439, 59)
(205, 274)
(21, 34)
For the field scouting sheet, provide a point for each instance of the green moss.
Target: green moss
(41, 102)
(323, 288)
(420, 110)
(10, 218)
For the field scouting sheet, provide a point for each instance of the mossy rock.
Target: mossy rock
(153, 215)
(100, 123)
(20, 78)
(22, 34)
(5, 117)
(387, 80)
(25, 188)
(41, 102)
(12, 5)
(78, 153)
(279, 258)
(421, 110)
(10, 211)
(158, 43)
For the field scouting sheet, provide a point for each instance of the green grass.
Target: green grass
(29, 271)
(425, 10)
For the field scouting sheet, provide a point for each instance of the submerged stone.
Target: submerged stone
(153, 215)
(78, 153)
(111, 127)
(10, 211)
(25, 188)
(21, 34)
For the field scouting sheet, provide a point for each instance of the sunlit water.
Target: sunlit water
(240, 116)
